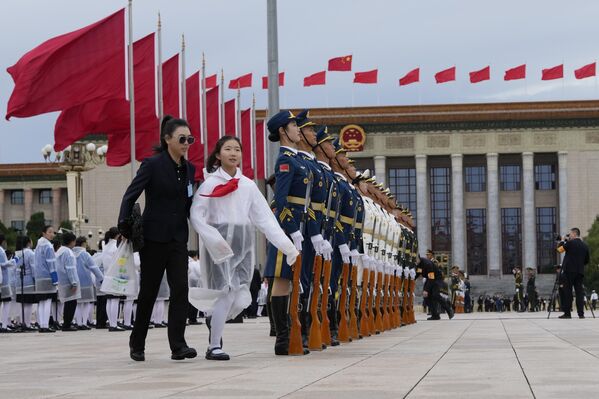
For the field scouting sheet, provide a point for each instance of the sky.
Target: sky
(394, 36)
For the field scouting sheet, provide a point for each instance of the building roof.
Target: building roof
(31, 171)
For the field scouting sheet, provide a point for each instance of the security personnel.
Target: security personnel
(519, 302)
(455, 284)
(432, 287)
(292, 180)
(531, 290)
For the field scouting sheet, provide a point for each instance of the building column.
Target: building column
(28, 203)
(423, 222)
(493, 217)
(2, 207)
(56, 198)
(562, 164)
(380, 169)
(529, 233)
(458, 221)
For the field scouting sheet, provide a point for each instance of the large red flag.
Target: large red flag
(411, 77)
(72, 69)
(170, 86)
(368, 77)
(318, 78)
(212, 117)
(447, 75)
(112, 116)
(480, 75)
(556, 72)
(340, 63)
(230, 118)
(260, 149)
(246, 142)
(241, 82)
(281, 80)
(586, 71)
(192, 98)
(211, 82)
(515, 73)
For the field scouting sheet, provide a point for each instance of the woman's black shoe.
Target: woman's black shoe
(138, 356)
(184, 353)
(210, 355)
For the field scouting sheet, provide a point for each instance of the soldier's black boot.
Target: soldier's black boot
(273, 332)
(278, 306)
(333, 326)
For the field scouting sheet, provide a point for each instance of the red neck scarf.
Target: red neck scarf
(223, 189)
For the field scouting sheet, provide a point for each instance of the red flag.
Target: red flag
(212, 117)
(319, 78)
(557, 72)
(246, 141)
(446, 75)
(241, 82)
(586, 71)
(368, 77)
(72, 69)
(281, 80)
(515, 73)
(211, 82)
(192, 98)
(260, 149)
(230, 117)
(480, 75)
(112, 116)
(411, 77)
(170, 86)
(340, 63)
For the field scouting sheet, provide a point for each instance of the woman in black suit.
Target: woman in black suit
(167, 179)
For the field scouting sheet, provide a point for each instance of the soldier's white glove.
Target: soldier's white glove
(297, 239)
(355, 256)
(366, 261)
(291, 257)
(345, 252)
(406, 272)
(413, 274)
(317, 243)
(326, 249)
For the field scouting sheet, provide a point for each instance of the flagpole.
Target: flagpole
(273, 78)
(238, 114)
(221, 120)
(203, 110)
(131, 90)
(183, 88)
(159, 75)
(253, 137)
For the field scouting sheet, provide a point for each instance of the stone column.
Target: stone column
(562, 162)
(458, 221)
(493, 217)
(2, 207)
(380, 169)
(56, 202)
(529, 233)
(28, 204)
(423, 222)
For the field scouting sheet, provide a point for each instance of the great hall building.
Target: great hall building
(488, 184)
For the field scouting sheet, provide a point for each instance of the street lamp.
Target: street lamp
(75, 159)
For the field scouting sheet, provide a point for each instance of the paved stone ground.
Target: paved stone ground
(486, 355)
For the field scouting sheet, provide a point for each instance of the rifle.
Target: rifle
(380, 290)
(295, 336)
(343, 332)
(364, 317)
(353, 318)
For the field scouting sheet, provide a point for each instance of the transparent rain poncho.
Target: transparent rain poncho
(226, 226)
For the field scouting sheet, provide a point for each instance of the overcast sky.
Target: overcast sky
(393, 35)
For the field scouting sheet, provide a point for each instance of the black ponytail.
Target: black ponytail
(168, 125)
(213, 162)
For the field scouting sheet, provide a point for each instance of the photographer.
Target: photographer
(576, 257)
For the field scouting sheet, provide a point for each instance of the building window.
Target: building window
(545, 177)
(476, 236)
(45, 197)
(440, 184)
(511, 238)
(402, 183)
(476, 179)
(18, 225)
(509, 176)
(17, 197)
(546, 253)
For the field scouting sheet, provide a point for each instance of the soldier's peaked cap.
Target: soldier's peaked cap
(281, 118)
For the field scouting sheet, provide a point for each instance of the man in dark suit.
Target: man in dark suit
(167, 179)
(576, 257)
(432, 288)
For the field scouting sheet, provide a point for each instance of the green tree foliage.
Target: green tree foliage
(35, 225)
(67, 224)
(591, 274)
(11, 236)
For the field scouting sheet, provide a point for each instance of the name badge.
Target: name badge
(189, 190)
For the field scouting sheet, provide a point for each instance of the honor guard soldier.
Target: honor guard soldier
(455, 284)
(519, 299)
(292, 183)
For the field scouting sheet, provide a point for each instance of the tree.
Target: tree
(35, 226)
(591, 274)
(11, 236)
(67, 224)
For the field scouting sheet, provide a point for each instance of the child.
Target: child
(225, 211)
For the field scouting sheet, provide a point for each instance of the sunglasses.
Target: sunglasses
(189, 139)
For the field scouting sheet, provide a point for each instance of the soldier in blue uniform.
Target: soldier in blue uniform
(292, 180)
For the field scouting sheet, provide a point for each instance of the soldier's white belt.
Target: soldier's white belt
(296, 200)
(345, 219)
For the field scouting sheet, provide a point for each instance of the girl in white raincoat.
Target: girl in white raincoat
(226, 210)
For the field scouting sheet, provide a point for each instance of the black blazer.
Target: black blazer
(167, 201)
(577, 255)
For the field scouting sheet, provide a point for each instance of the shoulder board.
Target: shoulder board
(289, 153)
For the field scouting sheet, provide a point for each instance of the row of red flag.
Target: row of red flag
(82, 75)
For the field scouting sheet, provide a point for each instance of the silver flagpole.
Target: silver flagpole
(238, 130)
(273, 78)
(203, 110)
(221, 120)
(159, 75)
(253, 136)
(183, 88)
(131, 90)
